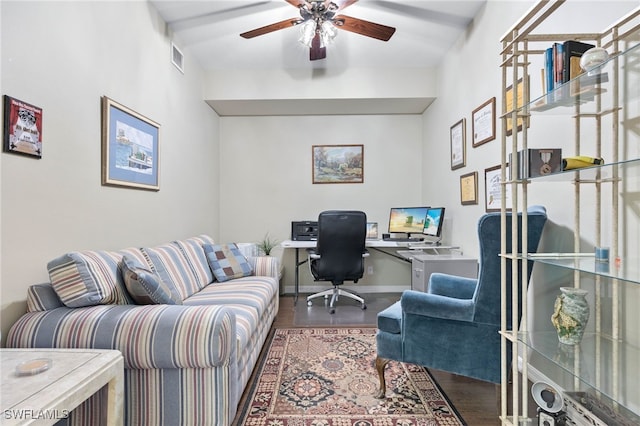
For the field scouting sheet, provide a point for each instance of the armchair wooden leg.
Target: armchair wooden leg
(381, 363)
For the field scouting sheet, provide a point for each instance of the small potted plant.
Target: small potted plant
(267, 244)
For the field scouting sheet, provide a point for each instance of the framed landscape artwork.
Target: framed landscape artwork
(130, 148)
(22, 128)
(338, 163)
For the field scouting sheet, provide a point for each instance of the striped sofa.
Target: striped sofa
(186, 363)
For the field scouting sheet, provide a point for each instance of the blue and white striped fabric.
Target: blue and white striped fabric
(193, 250)
(173, 267)
(184, 364)
(88, 278)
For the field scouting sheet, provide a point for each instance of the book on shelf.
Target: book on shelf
(572, 51)
(562, 65)
(548, 69)
(558, 59)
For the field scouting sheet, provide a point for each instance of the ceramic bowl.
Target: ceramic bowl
(593, 57)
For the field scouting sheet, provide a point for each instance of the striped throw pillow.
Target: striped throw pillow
(146, 287)
(88, 278)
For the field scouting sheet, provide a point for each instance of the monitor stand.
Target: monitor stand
(428, 242)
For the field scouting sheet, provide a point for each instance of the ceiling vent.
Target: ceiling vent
(177, 58)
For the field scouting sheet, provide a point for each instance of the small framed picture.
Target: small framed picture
(469, 188)
(493, 189)
(130, 148)
(372, 230)
(483, 123)
(515, 101)
(22, 128)
(458, 149)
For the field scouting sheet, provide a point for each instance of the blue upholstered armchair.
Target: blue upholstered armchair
(454, 326)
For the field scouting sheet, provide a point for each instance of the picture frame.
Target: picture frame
(493, 189)
(483, 123)
(337, 164)
(130, 148)
(519, 104)
(457, 137)
(22, 128)
(372, 230)
(469, 189)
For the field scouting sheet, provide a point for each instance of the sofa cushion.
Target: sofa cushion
(227, 262)
(172, 267)
(88, 278)
(42, 297)
(193, 250)
(248, 297)
(146, 287)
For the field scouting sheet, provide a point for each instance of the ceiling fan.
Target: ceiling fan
(319, 21)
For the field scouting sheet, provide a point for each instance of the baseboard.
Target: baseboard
(360, 289)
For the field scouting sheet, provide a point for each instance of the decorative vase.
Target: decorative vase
(570, 315)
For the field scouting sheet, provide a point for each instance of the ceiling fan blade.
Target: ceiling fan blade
(296, 3)
(270, 28)
(316, 52)
(365, 28)
(344, 3)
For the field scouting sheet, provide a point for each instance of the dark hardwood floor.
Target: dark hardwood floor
(476, 401)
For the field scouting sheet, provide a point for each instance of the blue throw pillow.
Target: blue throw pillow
(146, 287)
(227, 262)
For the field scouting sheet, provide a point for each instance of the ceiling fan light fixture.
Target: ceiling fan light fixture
(327, 33)
(307, 32)
(319, 25)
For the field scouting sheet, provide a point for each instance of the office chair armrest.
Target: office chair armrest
(436, 306)
(452, 285)
(312, 254)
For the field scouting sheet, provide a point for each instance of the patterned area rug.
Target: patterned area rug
(326, 377)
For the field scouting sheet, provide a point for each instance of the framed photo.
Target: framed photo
(493, 189)
(372, 230)
(483, 123)
(469, 188)
(458, 148)
(22, 128)
(519, 103)
(338, 163)
(130, 148)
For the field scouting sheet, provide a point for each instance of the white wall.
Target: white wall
(266, 182)
(62, 57)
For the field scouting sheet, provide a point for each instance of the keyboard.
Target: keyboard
(404, 240)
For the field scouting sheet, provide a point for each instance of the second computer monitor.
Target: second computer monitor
(408, 220)
(433, 222)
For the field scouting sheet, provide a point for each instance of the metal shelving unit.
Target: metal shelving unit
(602, 363)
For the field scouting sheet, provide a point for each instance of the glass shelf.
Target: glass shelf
(628, 269)
(592, 362)
(589, 174)
(581, 90)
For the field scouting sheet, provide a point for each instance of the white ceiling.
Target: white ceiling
(209, 30)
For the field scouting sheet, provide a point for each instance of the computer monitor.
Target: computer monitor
(407, 220)
(433, 223)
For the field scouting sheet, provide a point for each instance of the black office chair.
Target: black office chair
(339, 253)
